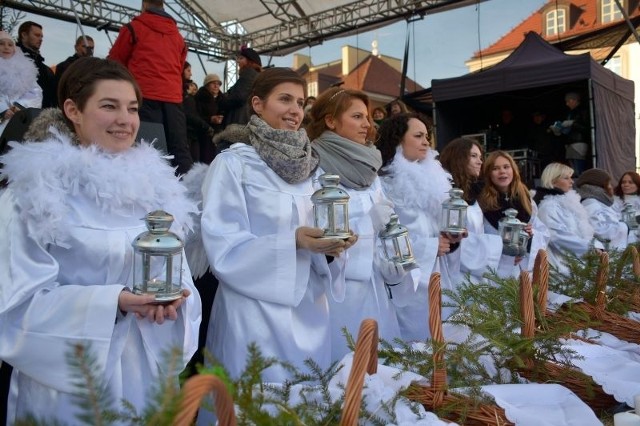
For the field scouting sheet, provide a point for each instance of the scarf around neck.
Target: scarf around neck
(286, 152)
(356, 164)
(597, 193)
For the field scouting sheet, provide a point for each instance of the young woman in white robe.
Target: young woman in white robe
(341, 131)
(596, 192)
(18, 81)
(626, 192)
(480, 251)
(504, 189)
(275, 281)
(560, 210)
(77, 190)
(417, 184)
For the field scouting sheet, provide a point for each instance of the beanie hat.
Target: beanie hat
(595, 177)
(211, 77)
(250, 54)
(5, 35)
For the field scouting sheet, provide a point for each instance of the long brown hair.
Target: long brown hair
(334, 102)
(488, 198)
(455, 157)
(635, 177)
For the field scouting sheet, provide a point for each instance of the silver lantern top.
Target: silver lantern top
(330, 191)
(158, 239)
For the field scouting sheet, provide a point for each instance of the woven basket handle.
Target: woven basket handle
(365, 359)
(527, 311)
(194, 389)
(541, 278)
(601, 281)
(439, 381)
(635, 258)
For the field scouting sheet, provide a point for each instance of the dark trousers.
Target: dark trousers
(172, 118)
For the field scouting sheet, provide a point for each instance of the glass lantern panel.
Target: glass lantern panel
(340, 218)
(321, 216)
(157, 274)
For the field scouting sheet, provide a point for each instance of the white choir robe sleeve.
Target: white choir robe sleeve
(37, 314)
(561, 237)
(606, 223)
(31, 98)
(539, 241)
(480, 251)
(239, 256)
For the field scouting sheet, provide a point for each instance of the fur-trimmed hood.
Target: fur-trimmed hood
(577, 218)
(233, 133)
(48, 171)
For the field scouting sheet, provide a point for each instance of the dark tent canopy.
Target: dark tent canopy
(536, 76)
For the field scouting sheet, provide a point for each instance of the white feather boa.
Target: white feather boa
(577, 217)
(43, 175)
(18, 75)
(424, 184)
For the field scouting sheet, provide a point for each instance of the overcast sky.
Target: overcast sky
(440, 43)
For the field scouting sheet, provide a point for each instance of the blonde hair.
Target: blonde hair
(553, 172)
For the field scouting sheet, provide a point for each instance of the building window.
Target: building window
(312, 88)
(609, 11)
(615, 65)
(556, 22)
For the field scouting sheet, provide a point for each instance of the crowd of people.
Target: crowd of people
(79, 183)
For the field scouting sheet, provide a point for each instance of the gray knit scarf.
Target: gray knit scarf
(356, 164)
(286, 152)
(595, 192)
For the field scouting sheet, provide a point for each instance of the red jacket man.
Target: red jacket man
(152, 48)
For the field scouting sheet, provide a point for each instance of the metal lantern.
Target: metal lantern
(454, 213)
(157, 259)
(331, 208)
(629, 216)
(397, 245)
(514, 237)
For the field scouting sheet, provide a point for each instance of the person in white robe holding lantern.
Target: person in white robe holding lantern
(341, 132)
(418, 185)
(77, 190)
(275, 280)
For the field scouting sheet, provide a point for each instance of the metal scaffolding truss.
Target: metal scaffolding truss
(275, 27)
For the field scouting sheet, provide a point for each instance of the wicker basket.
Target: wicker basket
(538, 371)
(365, 360)
(628, 291)
(436, 396)
(599, 318)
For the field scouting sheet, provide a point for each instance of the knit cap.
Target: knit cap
(251, 55)
(210, 78)
(595, 177)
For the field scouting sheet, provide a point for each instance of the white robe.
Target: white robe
(18, 83)
(269, 292)
(366, 295)
(634, 200)
(480, 251)
(568, 225)
(417, 191)
(540, 239)
(606, 224)
(68, 219)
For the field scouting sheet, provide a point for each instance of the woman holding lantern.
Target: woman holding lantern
(77, 189)
(480, 251)
(418, 185)
(504, 190)
(341, 131)
(276, 274)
